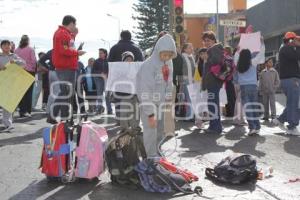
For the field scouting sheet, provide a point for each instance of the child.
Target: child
(90, 87)
(129, 113)
(5, 57)
(268, 84)
(247, 79)
(154, 89)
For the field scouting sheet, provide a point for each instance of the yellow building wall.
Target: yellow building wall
(236, 5)
(194, 28)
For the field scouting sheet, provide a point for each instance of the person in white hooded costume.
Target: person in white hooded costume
(154, 90)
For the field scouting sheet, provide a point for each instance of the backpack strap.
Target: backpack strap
(141, 147)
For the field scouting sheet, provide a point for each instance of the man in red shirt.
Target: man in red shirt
(65, 61)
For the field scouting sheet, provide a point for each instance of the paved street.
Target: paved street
(20, 153)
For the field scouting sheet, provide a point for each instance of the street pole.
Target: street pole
(171, 8)
(217, 21)
(119, 22)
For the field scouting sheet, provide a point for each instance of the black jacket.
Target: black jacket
(215, 56)
(289, 58)
(46, 60)
(177, 68)
(100, 66)
(115, 54)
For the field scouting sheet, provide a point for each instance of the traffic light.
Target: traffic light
(178, 7)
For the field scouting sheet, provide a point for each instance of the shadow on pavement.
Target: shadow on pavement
(110, 191)
(292, 145)
(200, 144)
(94, 189)
(35, 116)
(250, 187)
(236, 133)
(248, 145)
(21, 139)
(55, 190)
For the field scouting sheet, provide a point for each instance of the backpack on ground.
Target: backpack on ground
(235, 169)
(123, 153)
(187, 175)
(154, 177)
(225, 70)
(90, 152)
(57, 153)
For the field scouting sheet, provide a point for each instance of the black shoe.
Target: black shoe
(265, 119)
(51, 121)
(109, 112)
(100, 110)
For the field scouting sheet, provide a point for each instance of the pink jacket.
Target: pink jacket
(28, 55)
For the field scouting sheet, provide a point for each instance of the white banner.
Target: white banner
(122, 77)
(199, 98)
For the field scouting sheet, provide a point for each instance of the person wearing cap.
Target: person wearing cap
(129, 111)
(289, 57)
(268, 84)
(27, 53)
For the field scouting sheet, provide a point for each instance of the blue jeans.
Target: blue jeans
(189, 112)
(100, 84)
(107, 102)
(249, 95)
(214, 109)
(291, 113)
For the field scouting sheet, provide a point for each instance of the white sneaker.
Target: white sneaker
(294, 132)
(7, 129)
(253, 132)
(278, 123)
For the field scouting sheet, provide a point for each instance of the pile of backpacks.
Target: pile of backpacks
(83, 151)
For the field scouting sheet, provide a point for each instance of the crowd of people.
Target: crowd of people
(162, 82)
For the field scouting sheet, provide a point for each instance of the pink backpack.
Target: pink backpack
(91, 150)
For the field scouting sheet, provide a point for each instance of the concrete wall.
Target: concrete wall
(273, 17)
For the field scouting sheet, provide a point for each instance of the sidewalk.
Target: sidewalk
(20, 154)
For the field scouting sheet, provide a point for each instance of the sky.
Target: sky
(40, 18)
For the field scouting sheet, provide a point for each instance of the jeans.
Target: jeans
(100, 86)
(54, 90)
(213, 101)
(189, 111)
(7, 118)
(37, 89)
(291, 113)
(107, 102)
(249, 95)
(64, 101)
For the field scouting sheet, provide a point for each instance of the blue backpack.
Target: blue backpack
(155, 178)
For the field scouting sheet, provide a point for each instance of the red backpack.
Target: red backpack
(56, 151)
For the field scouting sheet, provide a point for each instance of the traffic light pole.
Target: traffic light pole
(218, 21)
(171, 16)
